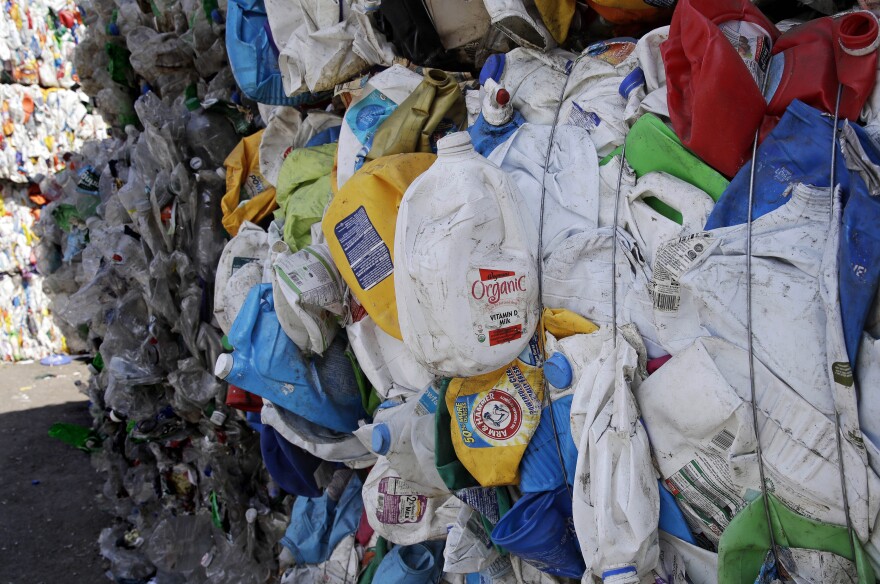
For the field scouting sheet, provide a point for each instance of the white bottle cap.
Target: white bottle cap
(218, 418)
(223, 367)
(497, 109)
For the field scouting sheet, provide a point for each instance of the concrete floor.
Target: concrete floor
(49, 522)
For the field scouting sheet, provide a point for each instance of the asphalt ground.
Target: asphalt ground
(49, 518)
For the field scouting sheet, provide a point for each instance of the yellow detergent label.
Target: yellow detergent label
(495, 415)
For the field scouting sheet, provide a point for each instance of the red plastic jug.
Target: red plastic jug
(243, 400)
(715, 102)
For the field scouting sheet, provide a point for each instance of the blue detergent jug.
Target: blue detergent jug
(253, 55)
(539, 528)
(859, 264)
(798, 151)
(318, 524)
(541, 468)
(421, 563)
(323, 390)
(290, 466)
(672, 519)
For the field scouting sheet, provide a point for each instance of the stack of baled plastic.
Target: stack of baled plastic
(493, 306)
(29, 331)
(41, 119)
(41, 125)
(42, 115)
(130, 242)
(37, 42)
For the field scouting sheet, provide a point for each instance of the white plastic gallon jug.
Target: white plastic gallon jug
(648, 226)
(232, 287)
(386, 361)
(404, 434)
(571, 201)
(466, 278)
(401, 512)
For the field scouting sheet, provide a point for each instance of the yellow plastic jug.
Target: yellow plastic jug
(495, 415)
(359, 227)
(249, 196)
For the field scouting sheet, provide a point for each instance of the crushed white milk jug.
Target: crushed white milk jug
(403, 513)
(466, 264)
(232, 287)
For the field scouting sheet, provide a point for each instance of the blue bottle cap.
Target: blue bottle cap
(493, 68)
(381, 441)
(558, 372)
(631, 82)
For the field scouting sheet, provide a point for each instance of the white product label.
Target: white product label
(753, 45)
(709, 497)
(498, 305)
(307, 274)
(673, 259)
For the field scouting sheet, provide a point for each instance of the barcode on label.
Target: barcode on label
(296, 279)
(666, 302)
(723, 440)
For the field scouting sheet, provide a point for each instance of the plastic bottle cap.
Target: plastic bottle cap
(250, 515)
(218, 417)
(381, 441)
(115, 417)
(223, 367)
(558, 372)
(502, 97)
(493, 68)
(195, 163)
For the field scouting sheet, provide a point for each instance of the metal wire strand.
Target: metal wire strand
(764, 496)
(547, 402)
(614, 245)
(837, 427)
